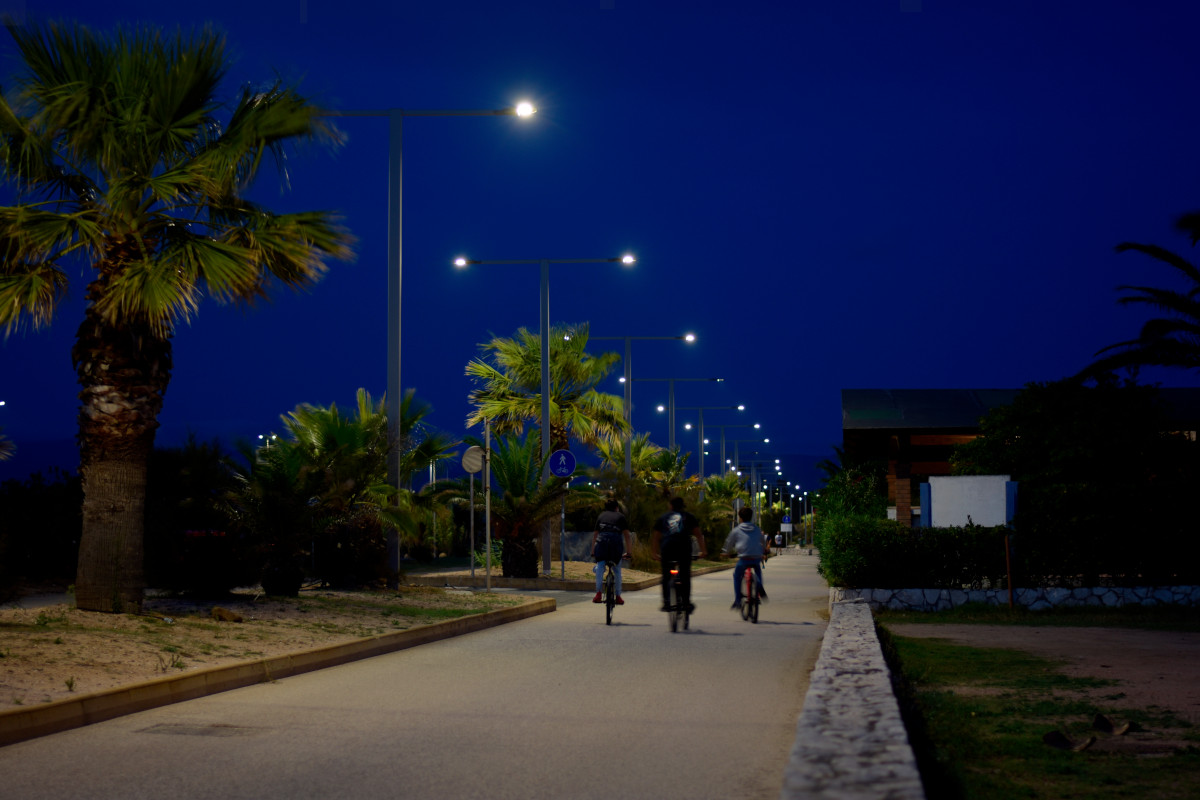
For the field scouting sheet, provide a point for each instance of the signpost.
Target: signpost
(472, 462)
(562, 465)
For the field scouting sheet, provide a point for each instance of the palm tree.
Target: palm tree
(324, 485)
(668, 473)
(722, 491)
(525, 502)
(510, 386)
(120, 163)
(1171, 341)
(612, 454)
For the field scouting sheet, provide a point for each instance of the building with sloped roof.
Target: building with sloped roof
(913, 431)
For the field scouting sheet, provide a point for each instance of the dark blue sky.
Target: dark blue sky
(830, 195)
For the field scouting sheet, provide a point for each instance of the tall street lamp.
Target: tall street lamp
(627, 379)
(544, 336)
(393, 389)
(700, 411)
(670, 406)
(756, 426)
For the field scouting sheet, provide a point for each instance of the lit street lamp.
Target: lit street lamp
(756, 426)
(700, 411)
(393, 389)
(670, 407)
(627, 379)
(544, 336)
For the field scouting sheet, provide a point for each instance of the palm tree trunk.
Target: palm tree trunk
(123, 371)
(110, 576)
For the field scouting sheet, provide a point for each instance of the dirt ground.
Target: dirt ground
(54, 651)
(1153, 669)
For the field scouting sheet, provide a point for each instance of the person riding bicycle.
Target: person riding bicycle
(671, 541)
(610, 542)
(746, 539)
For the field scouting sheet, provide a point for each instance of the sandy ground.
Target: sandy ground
(1153, 669)
(53, 651)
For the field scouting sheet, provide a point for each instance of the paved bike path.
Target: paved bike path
(561, 706)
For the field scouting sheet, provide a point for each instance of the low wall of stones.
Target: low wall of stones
(850, 738)
(1033, 599)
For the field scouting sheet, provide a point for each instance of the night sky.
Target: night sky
(891, 194)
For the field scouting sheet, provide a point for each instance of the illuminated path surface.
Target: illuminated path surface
(558, 706)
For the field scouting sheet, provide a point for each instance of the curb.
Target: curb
(18, 725)
(587, 585)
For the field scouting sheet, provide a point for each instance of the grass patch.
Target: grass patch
(1150, 618)
(976, 717)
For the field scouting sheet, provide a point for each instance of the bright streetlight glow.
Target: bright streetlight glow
(690, 337)
(525, 109)
(628, 259)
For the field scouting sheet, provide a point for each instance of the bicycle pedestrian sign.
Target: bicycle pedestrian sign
(562, 463)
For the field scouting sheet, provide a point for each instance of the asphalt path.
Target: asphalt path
(558, 706)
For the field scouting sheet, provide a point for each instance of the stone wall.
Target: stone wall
(850, 739)
(1033, 599)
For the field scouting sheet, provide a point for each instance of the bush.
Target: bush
(40, 528)
(865, 552)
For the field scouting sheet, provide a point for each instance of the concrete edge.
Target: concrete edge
(850, 737)
(587, 585)
(22, 724)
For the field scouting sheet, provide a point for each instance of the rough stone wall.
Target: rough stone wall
(1033, 599)
(850, 740)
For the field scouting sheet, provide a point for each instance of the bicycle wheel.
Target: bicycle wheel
(747, 593)
(610, 594)
(673, 605)
(752, 605)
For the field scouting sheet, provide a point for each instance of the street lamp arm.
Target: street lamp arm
(513, 111)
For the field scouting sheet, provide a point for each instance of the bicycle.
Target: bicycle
(676, 610)
(610, 591)
(750, 598)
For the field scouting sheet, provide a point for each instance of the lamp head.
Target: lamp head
(525, 109)
(689, 337)
(461, 262)
(628, 259)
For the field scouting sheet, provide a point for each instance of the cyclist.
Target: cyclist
(610, 542)
(671, 540)
(746, 539)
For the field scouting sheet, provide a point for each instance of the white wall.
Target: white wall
(953, 499)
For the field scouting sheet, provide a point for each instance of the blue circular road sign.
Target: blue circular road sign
(562, 463)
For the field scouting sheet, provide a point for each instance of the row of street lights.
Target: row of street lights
(394, 390)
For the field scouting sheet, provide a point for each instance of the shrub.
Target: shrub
(865, 552)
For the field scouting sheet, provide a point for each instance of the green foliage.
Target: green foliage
(853, 491)
(482, 559)
(1106, 492)
(319, 496)
(523, 503)
(39, 528)
(190, 545)
(865, 552)
(508, 390)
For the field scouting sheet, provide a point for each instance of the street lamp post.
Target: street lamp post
(544, 336)
(700, 412)
(627, 379)
(393, 389)
(756, 426)
(670, 407)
